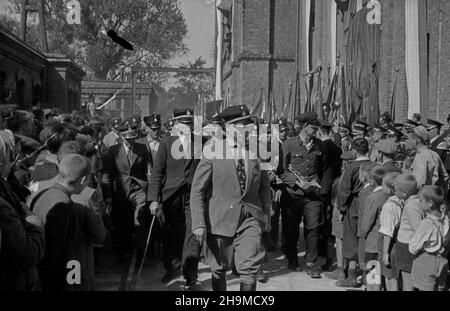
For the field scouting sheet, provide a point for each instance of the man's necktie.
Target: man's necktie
(241, 174)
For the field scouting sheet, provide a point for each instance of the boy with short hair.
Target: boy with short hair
(70, 229)
(409, 223)
(389, 223)
(430, 267)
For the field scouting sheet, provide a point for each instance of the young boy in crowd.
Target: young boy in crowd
(347, 203)
(389, 223)
(364, 177)
(370, 220)
(430, 267)
(337, 231)
(406, 190)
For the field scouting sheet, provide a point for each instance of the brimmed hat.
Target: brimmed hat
(344, 127)
(153, 122)
(394, 132)
(216, 119)
(432, 124)
(308, 118)
(129, 130)
(411, 123)
(183, 115)
(235, 114)
(325, 124)
(282, 124)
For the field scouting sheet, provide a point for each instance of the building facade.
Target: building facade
(29, 78)
(383, 55)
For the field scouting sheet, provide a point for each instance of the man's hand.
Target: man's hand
(154, 206)
(386, 260)
(108, 203)
(32, 219)
(136, 216)
(200, 234)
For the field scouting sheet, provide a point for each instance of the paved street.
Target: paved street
(280, 278)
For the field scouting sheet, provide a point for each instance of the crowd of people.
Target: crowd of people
(372, 201)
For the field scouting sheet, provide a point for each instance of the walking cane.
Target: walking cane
(135, 279)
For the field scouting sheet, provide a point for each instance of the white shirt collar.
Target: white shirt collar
(379, 188)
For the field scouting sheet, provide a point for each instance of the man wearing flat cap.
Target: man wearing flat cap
(125, 189)
(385, 151)
(427, 166)
(170, 186)
(230, 201)
(300, 166)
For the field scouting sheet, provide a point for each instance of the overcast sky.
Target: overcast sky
(199, 15)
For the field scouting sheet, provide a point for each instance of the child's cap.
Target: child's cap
(407, 183)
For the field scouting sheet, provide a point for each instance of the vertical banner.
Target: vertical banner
(219, 46)
(307, 29)
(412, 55)
(333, 25)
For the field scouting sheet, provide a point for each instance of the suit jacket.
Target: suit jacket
(216, 200)
(118, 171)
(331, 165)
(70, 232)
(170, 174)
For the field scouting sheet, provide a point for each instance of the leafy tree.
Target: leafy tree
(189, 86)
(156, 28)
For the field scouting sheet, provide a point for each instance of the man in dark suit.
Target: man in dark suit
(230, 201)
(331, 170)
(125, 187)
(170, 186)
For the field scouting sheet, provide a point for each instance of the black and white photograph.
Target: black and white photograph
(198, 147)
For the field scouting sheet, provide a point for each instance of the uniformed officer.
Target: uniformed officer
(434, 130)
(300, 167)
(170, 187)
(359, 130)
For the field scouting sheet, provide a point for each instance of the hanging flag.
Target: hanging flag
(283, 104)
(263, 110)
(331, 97)
(394, 92)
(256, 108)
(317, 104)
(287, 112)
(274, 109)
